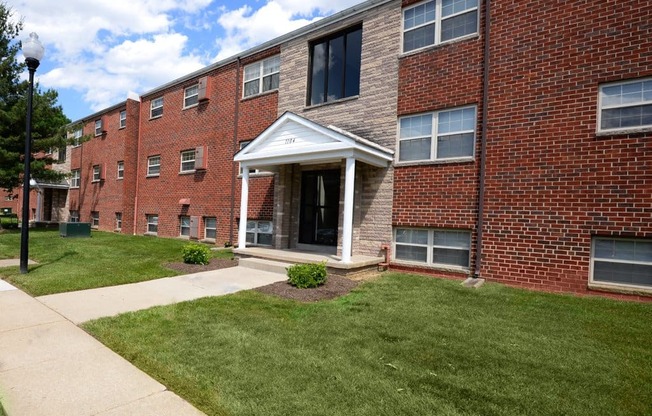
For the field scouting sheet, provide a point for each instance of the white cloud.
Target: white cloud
(246, 27)
(130, 66)
(104, 48)
(101, 49)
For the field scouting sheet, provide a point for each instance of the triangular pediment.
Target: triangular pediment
(294, 139)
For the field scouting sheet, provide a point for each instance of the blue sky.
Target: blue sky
(99, 51)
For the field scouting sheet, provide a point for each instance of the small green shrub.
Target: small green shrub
(307, 275)
(195, 254)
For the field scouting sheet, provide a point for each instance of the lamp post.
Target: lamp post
(33, 51)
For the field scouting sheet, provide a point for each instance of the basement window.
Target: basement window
(621, 262)
(259, 233)
(152, 224)
(433, 247)
(210, 228)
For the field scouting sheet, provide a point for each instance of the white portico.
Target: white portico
(294, 140)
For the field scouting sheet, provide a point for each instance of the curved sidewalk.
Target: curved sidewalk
(49, 366)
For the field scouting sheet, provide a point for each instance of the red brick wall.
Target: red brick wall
(105, 196)
(212, 124)
(552, 183)
(442, 194)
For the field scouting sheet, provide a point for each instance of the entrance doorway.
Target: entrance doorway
(320, 207)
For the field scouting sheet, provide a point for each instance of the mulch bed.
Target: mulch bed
(196, 268)
(334, 287)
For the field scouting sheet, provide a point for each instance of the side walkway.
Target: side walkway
(49, 366)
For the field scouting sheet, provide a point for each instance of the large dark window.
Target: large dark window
(335, 66)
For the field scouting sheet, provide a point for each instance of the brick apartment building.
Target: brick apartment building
(516, 148)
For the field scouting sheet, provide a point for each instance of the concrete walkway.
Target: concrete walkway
(49, 366)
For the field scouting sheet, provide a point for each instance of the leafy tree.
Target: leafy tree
(48, 119)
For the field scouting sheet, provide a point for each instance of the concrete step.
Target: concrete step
(264, 264)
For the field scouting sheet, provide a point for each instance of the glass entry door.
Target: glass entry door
(320, 207)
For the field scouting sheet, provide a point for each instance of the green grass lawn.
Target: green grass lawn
(105, 259)
(401, 345)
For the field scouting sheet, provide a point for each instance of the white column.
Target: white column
(347, 226)
(244, 201)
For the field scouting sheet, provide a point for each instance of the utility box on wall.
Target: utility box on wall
(75, 229)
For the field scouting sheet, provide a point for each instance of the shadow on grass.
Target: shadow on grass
(61, 257)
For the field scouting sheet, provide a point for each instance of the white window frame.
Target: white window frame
(97, 173)
(74, 216)
(191, 96)
(184, 225)
(98, 127)
(154, 162)
(642, 102)
(260, 67)
(255, 232)
(75, 179)
(155, 106)
(438, 24)
(430, 246)
(123, 119)
(76, 136)
(118, 220)
(207, 228)
(152, 224)
(95, 219)
(617, 285)
(121, 170)
(187, 161)
(435, 135)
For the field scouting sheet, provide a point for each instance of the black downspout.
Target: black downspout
(235, 148)
(483, 151)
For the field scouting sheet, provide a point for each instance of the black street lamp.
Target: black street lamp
(33, 51)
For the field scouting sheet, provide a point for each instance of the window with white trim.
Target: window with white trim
(74, 216)
(156, 107)
(188, 161)
(154, 165)
(95, 219)
(152, 224)
(62, 154)
(433, 247)
(123, 119)
(438, 21)
(262, 76)
(97, 173)
(259, 232)
(210, 228)
(75, 179)
(121, 169)
(76, 137)
(118, 220)
(626, 105)
(622, 262)
(98, 127)
(191, 96)
(184, 226)
(447, 134)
